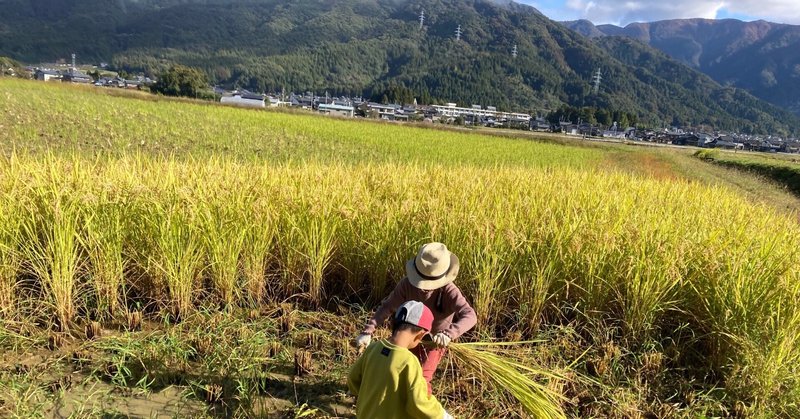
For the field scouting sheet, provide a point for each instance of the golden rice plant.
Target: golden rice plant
(259, 231)
(537, 280)
(51, 246)
(311, 237)
(105, 229)
(489, 270)
(647, 290)
(644, 256)
(10, 256)
(177, 261)
(224, 233)
(767, 377)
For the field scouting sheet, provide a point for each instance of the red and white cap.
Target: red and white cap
(416, 313)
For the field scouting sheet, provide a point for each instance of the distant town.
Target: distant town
(447, 113)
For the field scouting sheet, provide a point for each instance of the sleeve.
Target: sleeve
(388, 305)
(354, 377)
(419, 404)
(464, 317)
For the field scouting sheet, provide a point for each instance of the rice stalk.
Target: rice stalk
(224, 237)
(489, 272)
(105, 230)
(509, 376)
(51, 249)
(177, 260)
(259, 232)
(10, 256)
(648, 288)
(313, 239)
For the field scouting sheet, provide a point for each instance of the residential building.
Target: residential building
(337, 110)
(479, 114)
(75, 76)
(47, 75)
(244, 99)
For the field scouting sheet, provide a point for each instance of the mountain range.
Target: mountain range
(760, 57)
(370, 47)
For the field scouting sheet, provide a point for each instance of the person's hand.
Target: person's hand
(363, 340)
(441, 339)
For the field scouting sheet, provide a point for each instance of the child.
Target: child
(429, 279)
(387, 377)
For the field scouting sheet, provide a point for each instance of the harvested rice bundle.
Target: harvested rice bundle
(510, 376)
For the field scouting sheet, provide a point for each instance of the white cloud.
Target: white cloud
(626, 11)
(786, 11)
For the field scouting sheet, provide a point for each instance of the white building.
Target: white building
(47, 75)
(274, 102)
(451, 110)
(246, 100)
(334, 109)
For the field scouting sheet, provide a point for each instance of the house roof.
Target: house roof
(76, 73)
(335, 107)
(726, 142)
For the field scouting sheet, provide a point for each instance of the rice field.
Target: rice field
(94, 122)
(643, 295)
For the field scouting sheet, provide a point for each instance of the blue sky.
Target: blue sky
(622, 12)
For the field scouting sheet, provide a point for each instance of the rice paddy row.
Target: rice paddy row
(656, 260)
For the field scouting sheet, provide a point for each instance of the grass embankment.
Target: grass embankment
(677, 298)
(783, 171)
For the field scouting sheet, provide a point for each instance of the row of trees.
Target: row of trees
(180, 80)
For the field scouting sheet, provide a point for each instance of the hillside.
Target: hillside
(364, 47)
(760, 57)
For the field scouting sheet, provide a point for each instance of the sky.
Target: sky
(622, 12)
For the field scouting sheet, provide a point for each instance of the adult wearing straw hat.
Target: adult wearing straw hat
(429, 279)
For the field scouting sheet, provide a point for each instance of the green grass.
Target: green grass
(783, 170)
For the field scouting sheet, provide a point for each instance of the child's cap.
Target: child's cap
(416, 313)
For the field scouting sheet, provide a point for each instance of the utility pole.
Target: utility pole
(73, 61)
(422, 19)
(598, 77)
(458, 33)
(514, 51)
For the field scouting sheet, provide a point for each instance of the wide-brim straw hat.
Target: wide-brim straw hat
(433, 268)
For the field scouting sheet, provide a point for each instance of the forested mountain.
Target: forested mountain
(761, 57)
(373, 46)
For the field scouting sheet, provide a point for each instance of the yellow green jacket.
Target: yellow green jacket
(388, 381)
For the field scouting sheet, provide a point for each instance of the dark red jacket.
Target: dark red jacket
(452, 314)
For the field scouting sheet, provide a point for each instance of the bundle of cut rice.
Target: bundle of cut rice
(510, 376)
